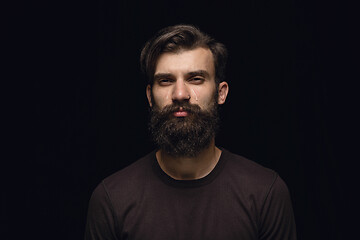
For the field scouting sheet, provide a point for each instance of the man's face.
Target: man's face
(184, 100)
(185, 76)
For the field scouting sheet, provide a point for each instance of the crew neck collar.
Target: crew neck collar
(189, 183)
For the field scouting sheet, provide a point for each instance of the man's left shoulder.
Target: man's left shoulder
(248, 173)
(246, 166)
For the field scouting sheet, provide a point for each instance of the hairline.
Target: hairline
(158, 45)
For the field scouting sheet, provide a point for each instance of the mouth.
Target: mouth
(181, 113)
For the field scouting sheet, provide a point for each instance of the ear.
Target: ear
(148, 94)
(223, 92)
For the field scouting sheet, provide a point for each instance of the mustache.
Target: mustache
(174, 107)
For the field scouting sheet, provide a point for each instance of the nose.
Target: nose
(180, 91)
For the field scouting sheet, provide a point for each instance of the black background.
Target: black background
(290, 105)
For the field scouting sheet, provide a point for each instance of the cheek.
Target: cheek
(205, 101)
(194, 94)
(161, 98)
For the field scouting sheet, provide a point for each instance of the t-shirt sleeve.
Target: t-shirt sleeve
(100, 224)
(277, 217)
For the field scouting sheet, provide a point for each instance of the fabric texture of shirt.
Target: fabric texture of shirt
(238, 199)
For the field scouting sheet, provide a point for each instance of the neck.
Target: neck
(187, 168)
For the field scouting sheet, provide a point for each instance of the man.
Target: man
(189, 188)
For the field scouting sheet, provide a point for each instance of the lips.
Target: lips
(181, 113)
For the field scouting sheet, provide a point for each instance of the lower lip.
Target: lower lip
(180, 114)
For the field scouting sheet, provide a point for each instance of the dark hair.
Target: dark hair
(177, 38)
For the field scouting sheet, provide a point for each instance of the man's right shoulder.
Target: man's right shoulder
(129, 178)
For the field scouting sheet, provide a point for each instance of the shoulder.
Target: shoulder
(254, 182)
(247, 169)
(129, 179)
(249, 176)
(117, 193)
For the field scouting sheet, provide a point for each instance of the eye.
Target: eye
(197, 80)
(165, 81)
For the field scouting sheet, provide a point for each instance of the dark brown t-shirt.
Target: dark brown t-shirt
(239, 199)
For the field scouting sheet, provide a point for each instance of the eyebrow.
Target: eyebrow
(202, 73)
(159, 76)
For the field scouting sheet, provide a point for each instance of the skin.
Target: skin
(188, 75)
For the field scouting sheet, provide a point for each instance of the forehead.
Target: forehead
(186, 61)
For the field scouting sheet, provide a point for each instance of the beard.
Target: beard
(184, 136)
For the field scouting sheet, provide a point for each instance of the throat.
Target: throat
(189, 168)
